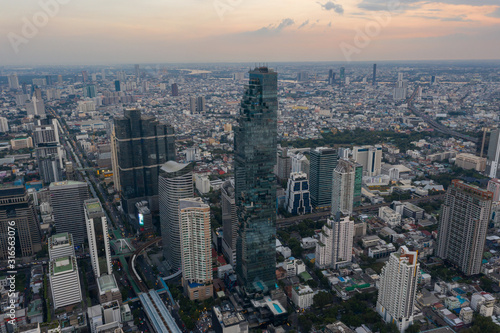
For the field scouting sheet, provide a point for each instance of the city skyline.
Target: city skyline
(96, 33)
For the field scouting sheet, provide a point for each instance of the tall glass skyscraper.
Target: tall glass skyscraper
(143, 145)
(255, 150)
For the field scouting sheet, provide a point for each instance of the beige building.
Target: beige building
(469, 161)
(21, 143)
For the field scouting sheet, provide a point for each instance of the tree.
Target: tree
(322, 299)
(305, 323)
(415, 328)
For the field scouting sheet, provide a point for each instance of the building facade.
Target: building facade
(334, 248)
(98, 237)
(462, 230)
(64, 282)
(322, 163)
(175, 183)
(255, 150)
(346, 181)
(61, 245)
(370, 158)
(398, 287)
(229, 221)
(298, 199)
(493, 158)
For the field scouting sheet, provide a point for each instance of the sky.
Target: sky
(75, 32)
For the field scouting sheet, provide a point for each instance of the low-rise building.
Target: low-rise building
(302, 296)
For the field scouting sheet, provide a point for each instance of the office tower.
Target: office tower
(137, 71)
(70, 171)
(331, 77)
(196, 249)
(298, 200)
(201, 104)
(494, 187)
(64, 282)
(97, 234)
(342, 76)
(462, 230)
(347, 182)
(118, 85)
(48, 150)
(303, 76)
(334, 248)
(67, 199)
(175, 183)
(4, 125)
(143, 145)
(493, 158)
(229, 221)
(13, 81)
(175, 89)
(48, 79)
(90, 91)
(35, 107)
(323, 162)
(433, 80)
(398, 287)
(61, 245)
(374, 79)
(255, 143)
(284, 164)
(16, 205)
(192, 104)
(300, 163)
(85, 76)
(370, 158)
(401, 88)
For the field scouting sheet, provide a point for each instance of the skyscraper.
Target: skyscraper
(493, 159)
(342, 76)
(90, 91)
(64, 281)
(370, 158)
(374, 79)
(143, 145)
(16, 205)
(398, 287)
(4, 125)
(331, 77)
(196, 249)
(345, 184)
(323, 162)
(97, 233)
(175, 183)
(298, 199)
(13, 81)
(284, 164)
(175, 89)
(462, 230)
(229, 221)
(401, 88)
(48, 150)
(137, 71)
(67, 199)
(334, 248)
(118, 86)
(255, 143)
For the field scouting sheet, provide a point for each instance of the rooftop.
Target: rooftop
(107, 283)
(93, 206)
(62, 265)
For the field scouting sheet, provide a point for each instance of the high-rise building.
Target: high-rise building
(48, 150)
(70, 171)
(175, 89)
(90, 91)
(197, 104)
(298, 199)
(65, 282)
(494, 187)
(331, 77)
(300, 163)
(16, 206)
(323, 162)
(334, 248)
(401, 88)
(60, 79)
(255, 143)
(67, 199)
(118, 86)
(370, 158)
(229, 221)
(13, 81)
(433, 80)
(175, 183)
(493, 160)
(35, 107)
(192, 104)
(347, 180)
(98, 236)
(303, 76)
(462, 230)
(143, 145)
(342, 76)
(284, 164)
(398, 287)
(4, 125)
(61, 245)
(137, 70)
(196, 248)
(374, 79)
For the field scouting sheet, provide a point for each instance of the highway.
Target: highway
(284, 223)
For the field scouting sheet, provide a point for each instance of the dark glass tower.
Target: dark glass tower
(255, 144)
(143, 145)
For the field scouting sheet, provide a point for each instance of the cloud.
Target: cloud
(459, 18)
(304, 24)
(276, 28)
(403, 5)
(330, 5)
(329, 24)
(495, 13)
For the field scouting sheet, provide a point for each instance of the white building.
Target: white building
(494, 187)
(397, 288)
(194, 217)
(334, 247)
(98, 237)
(344, 179)
(4, 125)
(302, 296)
(64, 281)
(61, 245)
(202, 183)
(389, 216)
(370, 157)
(298, 198)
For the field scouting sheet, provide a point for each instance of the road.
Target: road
(284, 223)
